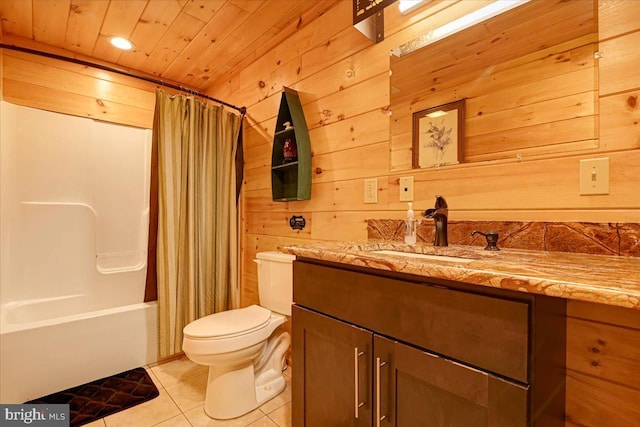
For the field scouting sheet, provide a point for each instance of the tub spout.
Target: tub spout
(439, 214)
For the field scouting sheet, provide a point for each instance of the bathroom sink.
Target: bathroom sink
(423, 256)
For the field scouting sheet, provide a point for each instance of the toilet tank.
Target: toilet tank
(275, 281)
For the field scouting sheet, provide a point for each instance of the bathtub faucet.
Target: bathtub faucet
(439, 214)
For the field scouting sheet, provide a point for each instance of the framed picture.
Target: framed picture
(438, 134)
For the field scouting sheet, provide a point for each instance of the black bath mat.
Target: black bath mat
(103, 397)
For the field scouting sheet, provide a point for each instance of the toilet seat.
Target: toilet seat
(228, 324)
(251, 329)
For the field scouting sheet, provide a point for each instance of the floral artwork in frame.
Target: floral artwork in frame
(438, 134)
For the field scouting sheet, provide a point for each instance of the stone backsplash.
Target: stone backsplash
(621, 239)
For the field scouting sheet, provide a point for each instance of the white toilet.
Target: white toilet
(245, 361)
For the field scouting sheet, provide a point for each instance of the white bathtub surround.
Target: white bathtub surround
(74, 224)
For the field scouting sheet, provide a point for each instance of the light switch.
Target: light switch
(406, 189)
(594, 176)
(371, 190)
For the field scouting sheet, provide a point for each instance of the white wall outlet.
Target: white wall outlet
(406, 189)
(371, 190)
(594, 176)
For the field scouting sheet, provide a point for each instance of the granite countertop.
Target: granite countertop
(611, 280)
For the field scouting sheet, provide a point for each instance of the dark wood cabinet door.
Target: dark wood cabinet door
(416, 388)
(332, 387)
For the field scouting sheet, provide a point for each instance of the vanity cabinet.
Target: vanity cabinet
(336, 373)
(385, 349)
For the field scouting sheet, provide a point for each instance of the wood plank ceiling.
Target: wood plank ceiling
(191, 42)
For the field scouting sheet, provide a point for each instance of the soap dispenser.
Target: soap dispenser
(410, 227)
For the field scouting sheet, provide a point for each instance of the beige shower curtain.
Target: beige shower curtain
(197, 247)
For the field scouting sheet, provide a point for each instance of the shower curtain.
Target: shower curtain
(196, 246)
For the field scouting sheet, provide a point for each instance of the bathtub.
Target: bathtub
(74, 220)
(48, 345)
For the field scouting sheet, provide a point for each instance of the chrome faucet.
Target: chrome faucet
(439, 214)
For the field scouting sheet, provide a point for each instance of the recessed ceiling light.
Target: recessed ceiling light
(121, 43)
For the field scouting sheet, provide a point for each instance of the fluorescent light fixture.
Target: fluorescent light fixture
(476, 17)
(121, 43)
(466, 21)
(405, 6)
(436, 114)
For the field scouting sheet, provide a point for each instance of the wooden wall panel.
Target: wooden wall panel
(596, 403)
(261, 201)
(366, 96)
(258, 156)
(349, 130)
(565, 108)
(542, 184)
(563, 118)
(70, 103)
(341, 45)
(68, 88)
(603, 359)
(604, 351)
(349, 164)
(604, 314)
(344, 84)
(348, 195)
(530, 136)
(345, 226)
(19, 67)
(329, 196)
(257, 134)
(617, 17)
(353, 132)
(535, 91)
(277, 224)
(257, 178)
(620, 121)
(618, 68)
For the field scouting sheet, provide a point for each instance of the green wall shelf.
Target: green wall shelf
(291, 178)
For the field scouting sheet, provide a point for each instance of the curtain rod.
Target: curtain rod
(242, 110)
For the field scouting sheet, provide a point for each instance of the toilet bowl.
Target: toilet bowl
(244, 355)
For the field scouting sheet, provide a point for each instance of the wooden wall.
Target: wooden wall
(63, 87)
(603, 363)
(344, 84)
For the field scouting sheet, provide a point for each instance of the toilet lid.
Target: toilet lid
(229, 323)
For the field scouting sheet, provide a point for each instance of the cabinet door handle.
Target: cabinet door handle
(356, 381)
(379, 364)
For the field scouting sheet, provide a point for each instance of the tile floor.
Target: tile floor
(182, 385)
